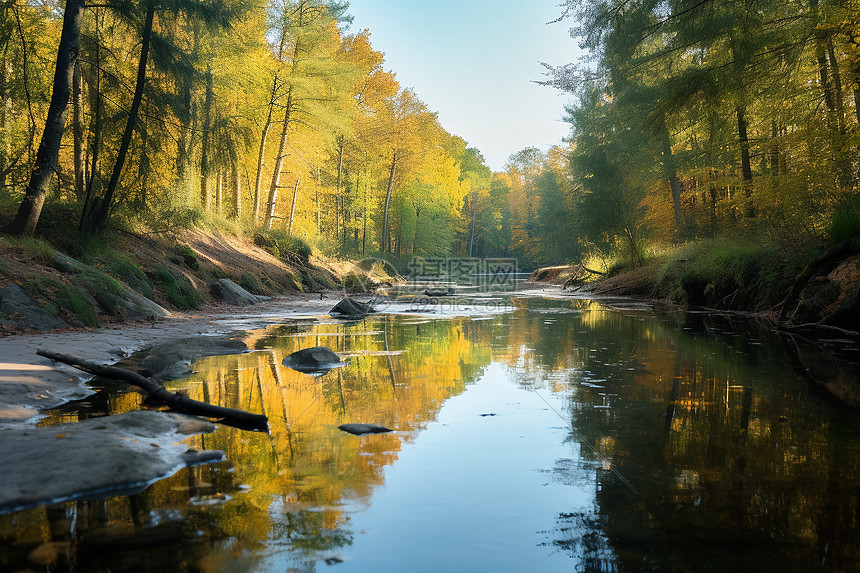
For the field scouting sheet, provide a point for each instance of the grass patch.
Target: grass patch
(180, 294)
(278, 243)
(250, 283)
(67, 298)
(127, 270)
(32, 249)
(726, 273)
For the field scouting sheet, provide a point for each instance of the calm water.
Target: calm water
(543, 435)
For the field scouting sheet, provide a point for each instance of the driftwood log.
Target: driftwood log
(156, 391)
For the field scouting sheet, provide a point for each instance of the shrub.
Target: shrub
(278, 243)
(845, 222)
(726, 273)
(250, 283)
(129, 272)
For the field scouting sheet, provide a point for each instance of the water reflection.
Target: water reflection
(634, 438)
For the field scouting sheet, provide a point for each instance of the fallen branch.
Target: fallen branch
(813, 326)
(158, 392)
(583, 267)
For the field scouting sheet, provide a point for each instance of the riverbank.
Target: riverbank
(118, 277)
(30, 383)
(819, 286)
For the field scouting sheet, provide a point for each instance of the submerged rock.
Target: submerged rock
(172, 360)
(439, 291)
(315, 360)
(97, 457)
(362, 429)
(231, 293)
(351, 308)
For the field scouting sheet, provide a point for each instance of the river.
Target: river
(532, 432)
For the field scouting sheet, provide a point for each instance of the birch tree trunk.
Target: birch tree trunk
(279, 160)
(293, 208)
(385, 242)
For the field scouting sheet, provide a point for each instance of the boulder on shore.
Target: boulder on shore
(351, 308)
(316, 360)
(19, 310)
(231, 293)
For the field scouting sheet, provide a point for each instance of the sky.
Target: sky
(473, 62)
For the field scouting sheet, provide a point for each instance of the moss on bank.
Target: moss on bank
(734, 274)
(83, 282)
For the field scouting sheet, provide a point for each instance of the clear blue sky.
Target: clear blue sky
(472, 61)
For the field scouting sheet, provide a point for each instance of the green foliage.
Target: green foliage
(357, 283)
(728, 273)
(179, 292)
(845, 222)
(278, 243)
(68, 298)
(127, 270)
(33, 249)
(189, 257)
(250, 283)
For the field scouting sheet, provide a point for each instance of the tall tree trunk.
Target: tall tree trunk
(96, 106)
(837, 84)
(293, 208)
(415, 235)
(472, 224)
(219, 192)
(264, 135)
(47, 156)
(5, 117)
(183, 152)
(364, 229)
(671, 170)
(774, 149)
(337, 200)
(746, 168)
(385, 234)
(206, 159)
(78, 131)
(104, 208)
(237, 192)
(279, 160)
(270, 209)
(25, 71)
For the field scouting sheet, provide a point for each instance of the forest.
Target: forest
(238, 114)
(728, 129)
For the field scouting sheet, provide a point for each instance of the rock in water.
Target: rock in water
(315, 360)
(172, 360)
(351, 309)
(362, 429)
(439, 291)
